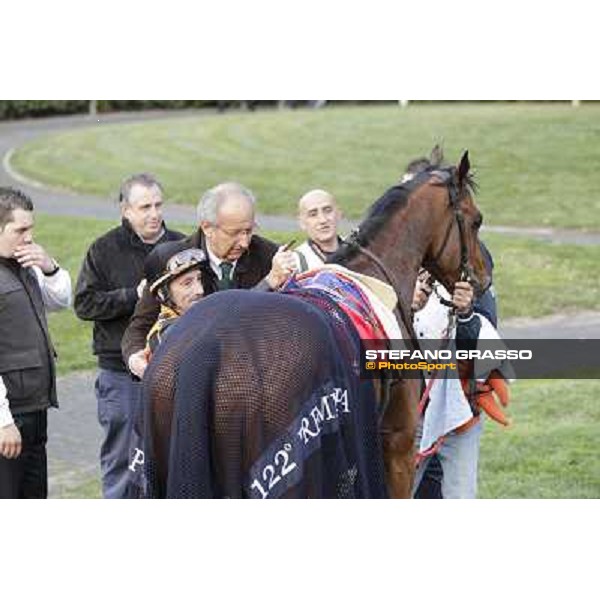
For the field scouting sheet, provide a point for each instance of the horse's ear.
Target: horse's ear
(463, 167)
(437, 156)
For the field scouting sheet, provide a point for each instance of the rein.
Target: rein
(404, 316)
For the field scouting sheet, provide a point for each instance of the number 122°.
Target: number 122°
(269, 475)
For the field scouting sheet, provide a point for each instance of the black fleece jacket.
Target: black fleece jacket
(106, 290)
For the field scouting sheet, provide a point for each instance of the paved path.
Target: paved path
(74, 433)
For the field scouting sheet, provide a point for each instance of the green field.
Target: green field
(536, 164)
(550, 450)
(532, 278)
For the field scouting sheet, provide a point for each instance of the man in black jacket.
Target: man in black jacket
(108, 287)
(235, 258)
(30, 283)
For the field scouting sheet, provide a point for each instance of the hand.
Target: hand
(284, 265)
(138, 363)
(423, 290)
(140, 288)
(462, 297)
(30, 255)
(10, 441)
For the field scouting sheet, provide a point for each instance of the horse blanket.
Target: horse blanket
(258, 395)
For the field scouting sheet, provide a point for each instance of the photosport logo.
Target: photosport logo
(511, 359)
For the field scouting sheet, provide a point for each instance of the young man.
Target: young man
(31, 282)
(110, 282)
(318, 216)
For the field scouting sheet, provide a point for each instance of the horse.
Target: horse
(257, 394)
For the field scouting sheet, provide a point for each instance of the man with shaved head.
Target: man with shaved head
(318, 216)
(235, 258)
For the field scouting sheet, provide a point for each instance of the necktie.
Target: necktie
(225, 282)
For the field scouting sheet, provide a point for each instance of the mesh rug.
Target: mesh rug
(258, 395)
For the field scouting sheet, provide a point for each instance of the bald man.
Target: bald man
(318, 216)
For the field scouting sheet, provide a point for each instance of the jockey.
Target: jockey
(174, 278)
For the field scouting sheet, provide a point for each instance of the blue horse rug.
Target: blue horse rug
(258, 395)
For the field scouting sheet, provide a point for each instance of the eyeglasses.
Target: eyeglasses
(239, 232)
(185, 258)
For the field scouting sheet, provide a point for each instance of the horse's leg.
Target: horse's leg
(399, 427)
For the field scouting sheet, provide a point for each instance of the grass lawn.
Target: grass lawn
(550, 450)
(535, 278)
(532, 278)
(87, 489)
(536, 164)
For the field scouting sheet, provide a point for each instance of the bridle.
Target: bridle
(466, 271)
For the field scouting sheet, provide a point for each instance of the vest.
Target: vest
(307, 257)
(26, 351)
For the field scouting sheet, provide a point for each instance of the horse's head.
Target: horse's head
(454, 251)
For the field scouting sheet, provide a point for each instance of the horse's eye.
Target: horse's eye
(478, 221)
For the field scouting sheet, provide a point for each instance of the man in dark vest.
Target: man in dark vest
(235, 258)
(30, 282)
(109, 284)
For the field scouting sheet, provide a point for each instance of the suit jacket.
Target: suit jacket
(250, 271)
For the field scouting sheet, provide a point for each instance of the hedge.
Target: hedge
(21, 109)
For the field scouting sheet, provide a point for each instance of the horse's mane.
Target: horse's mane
(387, 205)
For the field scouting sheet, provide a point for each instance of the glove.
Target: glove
(489, 393)
(488, 396)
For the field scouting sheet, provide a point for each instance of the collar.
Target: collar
(215, 262)
(166, 312)
(10, 263)
(136, 238)
(322, 254)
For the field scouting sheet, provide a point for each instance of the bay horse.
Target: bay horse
(243, 398)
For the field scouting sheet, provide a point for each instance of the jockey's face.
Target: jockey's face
(185, 290)
(230, 236)
(318, 216)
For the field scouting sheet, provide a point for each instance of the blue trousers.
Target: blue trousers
(452, 471)
(118, 396)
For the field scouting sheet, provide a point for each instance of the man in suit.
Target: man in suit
(235, 258)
